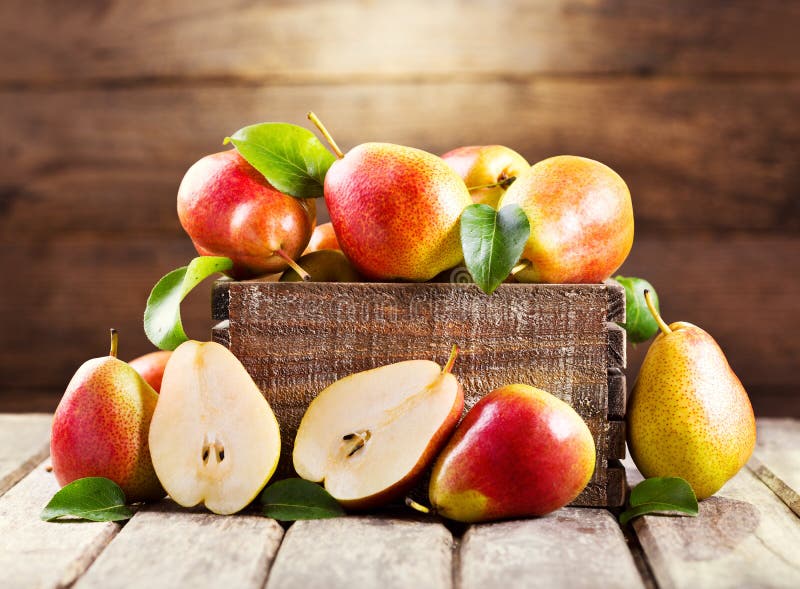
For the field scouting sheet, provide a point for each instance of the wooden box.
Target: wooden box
(297, 338)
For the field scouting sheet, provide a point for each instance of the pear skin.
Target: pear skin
(151, 367)
(323, 266)
(101, 428)
(485, 170)
(323, 238)
(689, 415)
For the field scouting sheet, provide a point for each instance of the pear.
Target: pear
(151, 367)
(689, 415)
(323, 266)
(395, 210)
(322, 238)
(581, 220)
(101, 425)
(487, 170)
(214, 437)
(519, 452)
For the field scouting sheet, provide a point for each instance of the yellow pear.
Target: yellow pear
(214, 438)
(689, 415)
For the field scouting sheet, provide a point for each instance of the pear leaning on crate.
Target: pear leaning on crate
(689, 415)
(100, 428)
(214, 438)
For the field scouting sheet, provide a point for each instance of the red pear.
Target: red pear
(229, 209)
(323, 238)
(487, 170)
(151, 367)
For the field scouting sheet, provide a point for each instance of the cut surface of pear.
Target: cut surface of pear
(214, 438)
(370, 435)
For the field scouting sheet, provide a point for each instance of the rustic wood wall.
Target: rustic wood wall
(105, 103)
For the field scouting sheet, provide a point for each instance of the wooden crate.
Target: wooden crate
(295, 339)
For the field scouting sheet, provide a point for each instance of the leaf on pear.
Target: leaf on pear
(290, 157)
(93, 498)
(294, 499)
(162, 316)
(492, 242)
(639, 322)
(661, 495)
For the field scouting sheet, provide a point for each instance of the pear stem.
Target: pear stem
(315, 119)
(305, 276)
(418, 506)
(520, 267)
(661, 323)
(503, 183)
(451, 360)
(114, 343)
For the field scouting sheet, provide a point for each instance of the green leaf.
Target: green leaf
(293, 499)
(658, 495)
(162, 316)
(492, 242)
(290, 157)
(639, 322)
(93, 498)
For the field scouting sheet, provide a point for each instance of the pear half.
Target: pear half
(214, 438)
(370, 436)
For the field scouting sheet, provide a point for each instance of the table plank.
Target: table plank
(44, 555)
(572, 547)
(24, 443)
(364, 552)
(743, 537)
(776, 460)
(167, 546)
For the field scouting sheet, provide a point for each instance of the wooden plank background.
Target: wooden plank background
(105, 103)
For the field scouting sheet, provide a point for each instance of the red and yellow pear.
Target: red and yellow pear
(487, 170)
(151, 367)
(395, 210)
(519, 452)
(229, 209)
(101, 427)
(581, 220)
(323, 238)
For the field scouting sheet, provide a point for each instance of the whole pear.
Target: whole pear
(689, 415)
(323, 266)
(487, 170)
(101, 426)
(581, 220)
(323, 238)
(229, 208)
(151, 367)
(519, 452)
(395, 210)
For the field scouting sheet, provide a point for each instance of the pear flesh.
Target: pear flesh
(689, 415)
(370, 435)
(214, 438)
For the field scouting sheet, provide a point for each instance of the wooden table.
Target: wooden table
(746, 536)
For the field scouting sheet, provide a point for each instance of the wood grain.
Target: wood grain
(127, 185)
(92, 41)
(167, 546)
(617, 350)
(617, 394)
(743, 537)
(343, 553)
(45, 555)
(571, 547)
(24, 443)
(776, 460)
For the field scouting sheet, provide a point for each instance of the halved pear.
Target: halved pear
(371, 435)
(214, 438)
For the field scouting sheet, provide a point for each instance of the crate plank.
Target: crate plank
(34, 553)
(572, 547)
(164, 545)
(177, 39)
(617, 393)
(343, 553)
(24, 443)
(617, 350)
(776, 460)
(744, 537)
